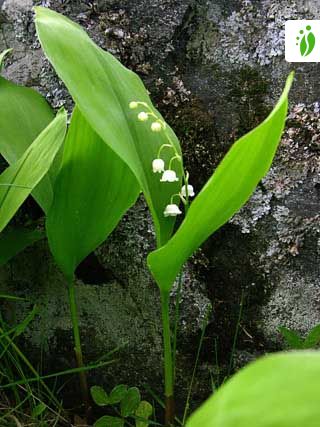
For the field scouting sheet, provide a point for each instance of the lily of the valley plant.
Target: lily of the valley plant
(125, 146)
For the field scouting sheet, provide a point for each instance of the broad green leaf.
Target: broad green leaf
(118, 393)
(3, 55)
(102, 89)
(143, 412)
(281, 390)
(93, 190)
(19, 179)
(130, 402)
(24, 114)
(107, 421)
(14, 240)
(313, 338)
(294, 341)
(99, 396)
(235, 179)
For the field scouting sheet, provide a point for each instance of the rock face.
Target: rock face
(214, 69)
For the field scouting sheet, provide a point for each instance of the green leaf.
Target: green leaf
(11, 297)
(2, 57)
(130, 402)
(144, 411)
(107, 421)
(24, 115)
(19, 179)
(248, 160)
(99, 396)
(303, 46)
(291, 337)
(93, 190)
(22, 326)
(281, 390)
(313, 338)
(118, 393)
(311, 42)
(38, 410)
(102, 89)
(15, 240)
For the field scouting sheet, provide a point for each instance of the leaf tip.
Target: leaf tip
(3, 55)
(62, 112)
(289, 82)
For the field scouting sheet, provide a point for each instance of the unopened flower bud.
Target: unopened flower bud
(133, 105)
(143, 117)
(156, 127)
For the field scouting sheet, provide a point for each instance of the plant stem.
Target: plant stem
(176, 325)
(77, 344)
(168, 360)
(235, 338)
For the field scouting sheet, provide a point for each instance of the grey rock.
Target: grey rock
(214, 69)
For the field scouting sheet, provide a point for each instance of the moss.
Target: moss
(249, 90)
(195, 127)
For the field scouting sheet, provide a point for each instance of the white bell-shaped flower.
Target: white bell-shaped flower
(172, 210)
(190, 191)
(158, 165)
(169, 176)
(143, 116)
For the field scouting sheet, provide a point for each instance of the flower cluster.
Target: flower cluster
(158, 164)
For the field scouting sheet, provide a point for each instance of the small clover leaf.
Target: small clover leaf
(118, 393)
(99, 396)
(107, 421)
(130, 402)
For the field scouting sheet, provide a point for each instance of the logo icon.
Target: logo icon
(302, 41)
(306, 40)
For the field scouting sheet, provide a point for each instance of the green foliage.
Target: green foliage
(107, 159)
(118, 393)
(93, 190)
(30, 404)
(14, 240)
(224, 194)
(102, 89)
(19, 179)
(99, 396)
(313, 338)
(38, 410)
(292, 338)
(295, 342)
(2, 57)
(280, 390)
(143, 412)
(130, 402)
(30, 114)
(107, 421)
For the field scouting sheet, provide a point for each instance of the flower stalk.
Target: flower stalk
(77, 344)
(171, 210)
(168, 360)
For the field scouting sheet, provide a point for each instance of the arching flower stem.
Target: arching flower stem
(176, 157)
(161, 148)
